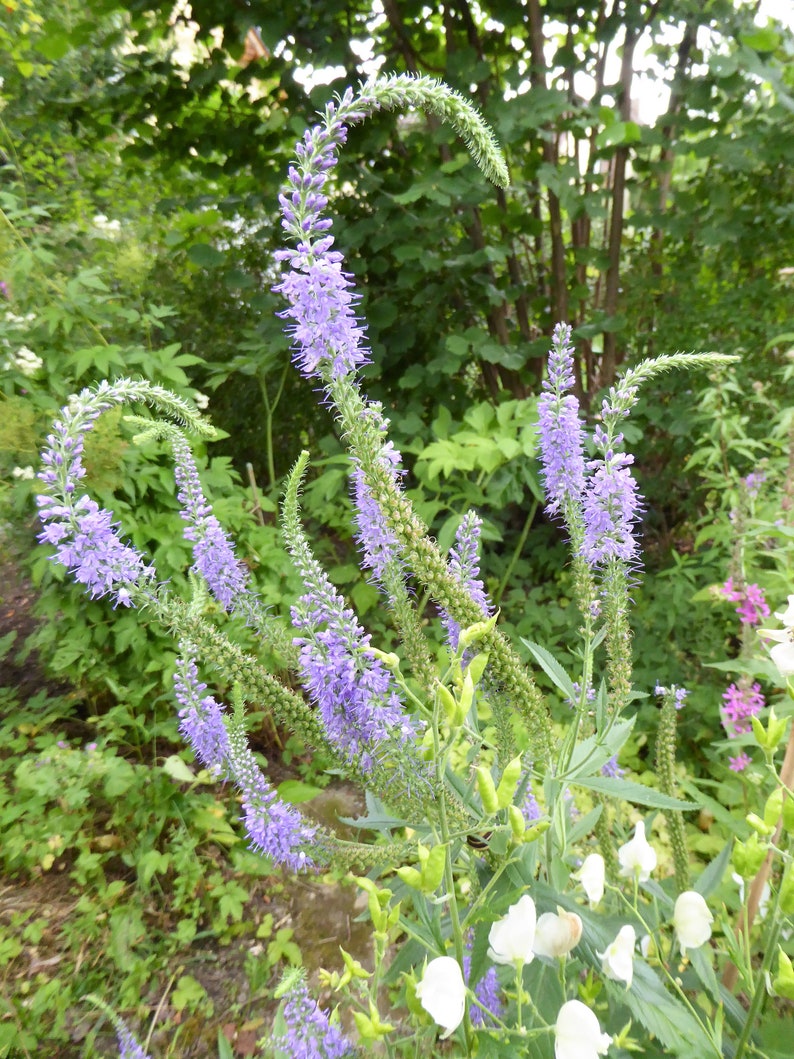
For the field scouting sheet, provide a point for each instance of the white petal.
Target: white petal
(578, 1034)
(442, 993)
(592, 875)
(617, 962)
(557, 934)
(511, 938)
(692, 920)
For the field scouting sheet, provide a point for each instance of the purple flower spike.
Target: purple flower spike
(276, 829)
(378, 543)
(128, 1045)
(213, 553)
(200, 717)
(309, 1033)
(560, 428)
(464, 563)
(328, 336)
(356, 694)
(611, 508)
(84, 535)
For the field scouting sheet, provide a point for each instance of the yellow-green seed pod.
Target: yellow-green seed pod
(448, 703)
(433, 869)
(508, 782)
(485, 785)
(518, 824)
(477, 666)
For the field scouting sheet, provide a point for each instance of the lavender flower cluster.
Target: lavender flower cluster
(597, 498)
(84, 535)
(309, 1034)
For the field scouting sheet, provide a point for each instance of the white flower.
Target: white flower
(26, 474)
(782, 653)
(692, 920)
(200, 400)
(592, 875)
(105, 228)
(557, 933)
(617, 962)
(787, 616)
(637, 858)
(577, 1033)
(511, 938)
(442, 993)
(26, 361)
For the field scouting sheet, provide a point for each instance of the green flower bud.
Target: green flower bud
(783, 982)
(748, 857)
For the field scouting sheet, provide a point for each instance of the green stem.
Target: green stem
(497, 599)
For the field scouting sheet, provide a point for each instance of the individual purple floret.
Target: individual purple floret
(213, 552)
(84, 535)
(309, 1033)
(464, 563)
(753, 483)
(560, 428)
(325, 329)
(739, 763)
(612, 769)
(611, 505)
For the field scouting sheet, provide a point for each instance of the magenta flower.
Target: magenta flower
(738, 763)
(739, 705)
(752, 605)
